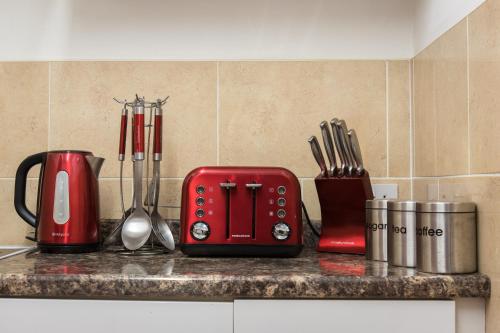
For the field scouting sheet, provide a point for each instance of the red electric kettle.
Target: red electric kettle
(67, 213)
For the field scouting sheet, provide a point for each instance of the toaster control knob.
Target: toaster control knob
(281, 213)
(281, 190)
(200, 189)
(200, 230)
(281, 202)
(281, 231)
(200, 201)
(200, 212)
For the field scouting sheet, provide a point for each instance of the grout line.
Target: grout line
(372, 178)
(468, 101)
(387, 115)
(476, 175)
(411, 86)
(48, 118)
(217, 115)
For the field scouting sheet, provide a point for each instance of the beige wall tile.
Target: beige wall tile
(404, 186)
(310, 198)
(170, 198)
(24, 104)
(399, 118)
(441, 105)
(13, 228)
(484, 51)
(424, 114)
(269, 109)
(425, 189)
(109, 195)
(84, 115)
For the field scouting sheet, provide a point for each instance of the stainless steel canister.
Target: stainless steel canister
(446, 237)
(401, 232)
(376, 230)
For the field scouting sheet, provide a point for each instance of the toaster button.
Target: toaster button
(281, 213)
(200, 189)
(281, 202)
(281, 190)
(200, 212)
(200, 201)
(281, 231)
(200, 230)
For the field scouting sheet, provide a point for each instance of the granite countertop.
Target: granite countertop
(174, 276)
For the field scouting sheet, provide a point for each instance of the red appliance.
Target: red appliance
(241, 211)
(67, 214)
(342, 201)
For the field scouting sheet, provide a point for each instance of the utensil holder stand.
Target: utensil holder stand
(342, 201)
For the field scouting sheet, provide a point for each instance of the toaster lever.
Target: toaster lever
(228, 185)
(253, 186)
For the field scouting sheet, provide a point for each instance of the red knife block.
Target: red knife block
(342, 201)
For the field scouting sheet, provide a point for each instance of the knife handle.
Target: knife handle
(139, 132)
(351, 163)
(328, 143)
(356, 149)
(123, 134)
(157, 139)
(318, 155)
(338, 144)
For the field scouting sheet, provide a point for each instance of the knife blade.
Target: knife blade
(340, 152)
(351, 164)
(356, 149)
(318, 155)
(330, 150)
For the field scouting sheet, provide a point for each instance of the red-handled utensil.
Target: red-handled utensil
(157, 140)
(160, 227)
(138, 135)
(137, 227)
(123, 134)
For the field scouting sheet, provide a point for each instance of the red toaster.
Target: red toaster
(241, 211)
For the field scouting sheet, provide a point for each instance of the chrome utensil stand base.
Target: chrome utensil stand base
(142, 252)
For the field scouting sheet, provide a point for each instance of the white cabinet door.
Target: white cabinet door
(84, 316)
(343, 316)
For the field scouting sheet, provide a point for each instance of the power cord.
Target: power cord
(315, 232)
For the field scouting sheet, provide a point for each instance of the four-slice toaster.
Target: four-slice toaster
(241, 211)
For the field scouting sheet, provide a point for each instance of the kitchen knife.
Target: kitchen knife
(340, 152)
(330, 150)
(318, 155)
(351, 164)
(353, 138)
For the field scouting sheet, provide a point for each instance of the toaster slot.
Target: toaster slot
(228, 186)
(254, 187)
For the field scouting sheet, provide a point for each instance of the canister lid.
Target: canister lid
(403, 206)
(446, 207)
(376, 204)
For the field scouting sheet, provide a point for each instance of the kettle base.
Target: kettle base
(77, 248)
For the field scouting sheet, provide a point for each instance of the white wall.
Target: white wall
(205, 29)
(223, 29)
(435, 17)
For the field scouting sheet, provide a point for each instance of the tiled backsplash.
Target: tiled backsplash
(445, 144)
(219, 113)
(457, 130)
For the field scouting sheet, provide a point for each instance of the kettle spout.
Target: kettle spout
(95, 164)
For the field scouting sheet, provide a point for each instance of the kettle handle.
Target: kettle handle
(20, 186)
